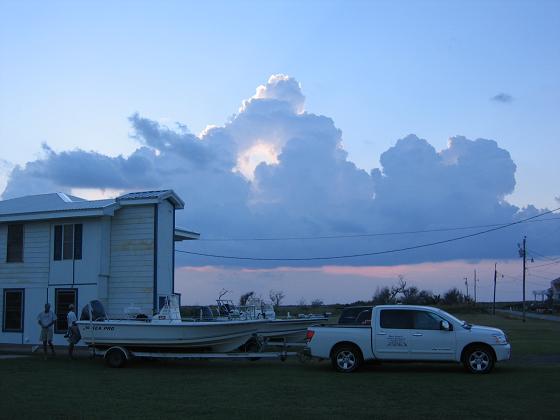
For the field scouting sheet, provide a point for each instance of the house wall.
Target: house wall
(32, 275)
(131, 275)
(117, 265)
(84, 271)
(165, 246)
(34, 270)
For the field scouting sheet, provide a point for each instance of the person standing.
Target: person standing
(73, 331)
(46, 320)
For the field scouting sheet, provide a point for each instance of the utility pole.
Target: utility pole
(475, 287)
(494, 302)
(523, 254)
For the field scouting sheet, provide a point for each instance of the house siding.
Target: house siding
(165, 248)
(131, 273)
(31, 275)
(127, 260)
(34, 270)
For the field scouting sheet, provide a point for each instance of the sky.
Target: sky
(368, 116)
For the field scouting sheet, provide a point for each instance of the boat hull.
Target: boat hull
(221, 336)
(294, 329)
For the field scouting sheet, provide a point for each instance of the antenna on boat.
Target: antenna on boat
(223, 292)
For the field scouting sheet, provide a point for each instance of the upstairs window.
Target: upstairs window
(68, 242)
(15, 244)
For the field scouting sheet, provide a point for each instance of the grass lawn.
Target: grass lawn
(525, 387)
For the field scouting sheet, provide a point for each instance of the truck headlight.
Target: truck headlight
(500, 338)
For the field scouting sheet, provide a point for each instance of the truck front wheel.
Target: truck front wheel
(346, 358)
(478, 359)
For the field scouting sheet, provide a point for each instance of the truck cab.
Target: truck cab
(409, 333)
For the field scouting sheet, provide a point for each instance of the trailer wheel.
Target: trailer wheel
(346, 358)
(115, 358)
(253, 346)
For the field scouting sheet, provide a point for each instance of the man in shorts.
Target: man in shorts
(46, 320)
(73, 335)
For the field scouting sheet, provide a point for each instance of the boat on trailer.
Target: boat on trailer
(164, 331)
(290, 329)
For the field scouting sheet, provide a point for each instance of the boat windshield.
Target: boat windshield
(96, 309)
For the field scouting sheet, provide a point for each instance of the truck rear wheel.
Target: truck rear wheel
(346, 358)
(478, 359)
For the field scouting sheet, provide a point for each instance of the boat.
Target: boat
(290, 329)
(164, 331)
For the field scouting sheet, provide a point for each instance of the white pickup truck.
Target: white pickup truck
(409, 333)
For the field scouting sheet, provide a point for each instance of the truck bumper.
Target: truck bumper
(503, 352)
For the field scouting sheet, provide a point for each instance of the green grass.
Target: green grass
(525, 387)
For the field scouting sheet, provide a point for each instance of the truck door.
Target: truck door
(392, 334)
(429, 340)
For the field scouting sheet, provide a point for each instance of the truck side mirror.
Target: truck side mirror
(444, 325)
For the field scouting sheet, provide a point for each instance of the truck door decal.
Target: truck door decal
(396, 341)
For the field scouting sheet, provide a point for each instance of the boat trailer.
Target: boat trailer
(117, 356)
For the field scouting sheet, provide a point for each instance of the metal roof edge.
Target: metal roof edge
(183, 234)
(49, 215)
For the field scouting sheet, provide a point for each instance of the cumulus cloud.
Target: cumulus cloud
(5, 169)
(504, 98)
(275, 169)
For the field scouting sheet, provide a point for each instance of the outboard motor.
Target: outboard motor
(93, 311)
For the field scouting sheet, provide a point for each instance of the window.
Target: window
(424, 320)
(62, 299)
(396, 319)
(13, 310)
(68, 242)
(15, 243)
(78, 241)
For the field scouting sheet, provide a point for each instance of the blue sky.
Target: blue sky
(72, 75)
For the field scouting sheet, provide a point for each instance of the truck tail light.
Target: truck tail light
(309, 335)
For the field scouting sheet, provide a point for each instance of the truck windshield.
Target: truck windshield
(451, 317)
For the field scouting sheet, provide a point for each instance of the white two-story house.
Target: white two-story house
(62, 249)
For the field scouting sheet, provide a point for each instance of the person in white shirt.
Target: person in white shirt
(73, 331)
(46, 320)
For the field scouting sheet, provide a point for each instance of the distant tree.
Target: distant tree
(453, 297)
(316, 302)
(245, 297)
(302, 303)
(426, 297)
(399, 288)
(276, 296)
(549, 296)
(382, 296)
(410, 296)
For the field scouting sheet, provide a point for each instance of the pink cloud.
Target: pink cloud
(334, 283)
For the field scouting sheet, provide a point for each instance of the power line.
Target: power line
(368, 235)
(540, 277)
(538, 254)
(544, 265)
(367, 254)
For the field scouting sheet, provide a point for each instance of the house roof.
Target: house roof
(153, 195)
(181, 234)
(60, 205)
